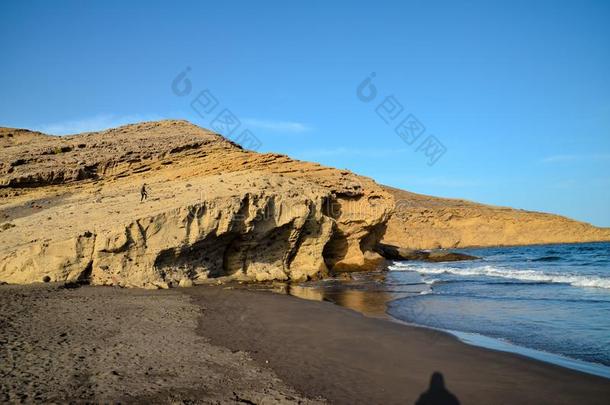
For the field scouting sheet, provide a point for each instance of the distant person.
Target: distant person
(437, 394)
(143, 193)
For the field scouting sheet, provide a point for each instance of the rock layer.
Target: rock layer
(425, 222)
(71, 210)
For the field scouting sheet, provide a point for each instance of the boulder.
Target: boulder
(392, 252)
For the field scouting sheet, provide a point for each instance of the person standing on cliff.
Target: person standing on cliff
(143, 193)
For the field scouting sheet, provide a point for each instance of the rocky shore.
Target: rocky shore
(392, 252)
(71, 211)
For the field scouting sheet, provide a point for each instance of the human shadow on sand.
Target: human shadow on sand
(437, 394)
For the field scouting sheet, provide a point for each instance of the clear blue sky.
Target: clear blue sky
(518, 92)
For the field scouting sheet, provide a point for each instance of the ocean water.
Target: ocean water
(551, 298)
(549, 301)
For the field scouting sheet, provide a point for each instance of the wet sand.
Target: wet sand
(214, 345)
(322, 349)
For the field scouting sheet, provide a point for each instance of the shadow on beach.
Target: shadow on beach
(437, 393)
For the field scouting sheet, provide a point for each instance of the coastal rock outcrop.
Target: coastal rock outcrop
(71, 210)
(426, 222)
(399, 253)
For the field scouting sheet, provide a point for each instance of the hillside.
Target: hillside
(70, 210)
(426, 222)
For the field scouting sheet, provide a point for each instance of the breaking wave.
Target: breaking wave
(526, 275)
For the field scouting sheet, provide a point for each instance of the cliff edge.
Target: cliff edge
(70, 210)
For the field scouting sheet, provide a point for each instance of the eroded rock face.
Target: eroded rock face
(71, 210)
(253, 236)
(425, 222)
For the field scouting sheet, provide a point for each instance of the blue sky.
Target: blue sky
(518, 93)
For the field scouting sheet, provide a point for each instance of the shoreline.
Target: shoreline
(470, 338)
(218, 344)
(491, 343)
(371, 360)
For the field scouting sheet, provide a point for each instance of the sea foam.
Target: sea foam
(525, 275)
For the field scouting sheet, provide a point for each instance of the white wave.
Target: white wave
(525, 275)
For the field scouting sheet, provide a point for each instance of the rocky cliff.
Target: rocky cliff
(70, 210)
(425, 222)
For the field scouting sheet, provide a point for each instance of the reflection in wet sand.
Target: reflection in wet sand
(367, 293)
(371, 303)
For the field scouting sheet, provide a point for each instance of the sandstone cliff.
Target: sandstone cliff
(70, 210)
(425, 222)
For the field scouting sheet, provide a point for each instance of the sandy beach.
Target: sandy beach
(113, 345)
(220, 345)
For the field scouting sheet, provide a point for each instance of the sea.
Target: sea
(549, 302)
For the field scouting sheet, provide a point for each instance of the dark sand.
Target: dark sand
(323, 349)
(214, 345)
(110, 345)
